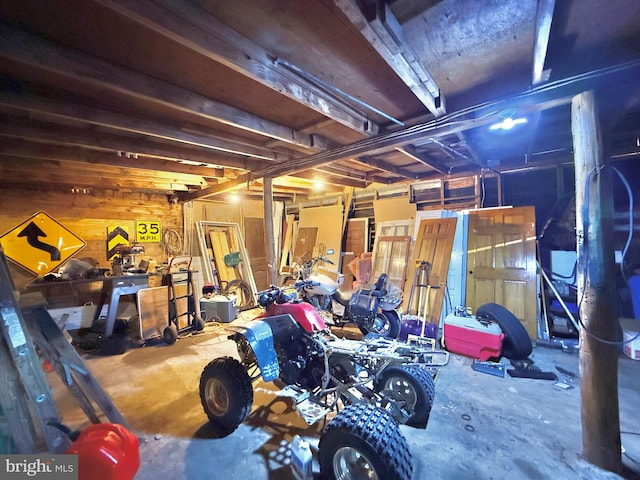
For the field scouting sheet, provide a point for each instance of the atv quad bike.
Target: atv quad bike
(380, 382)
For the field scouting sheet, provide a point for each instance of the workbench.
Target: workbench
(111, 289)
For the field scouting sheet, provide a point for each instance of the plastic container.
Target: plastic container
(465, 335)
(106, 451)
(301, 459)
(220, 307)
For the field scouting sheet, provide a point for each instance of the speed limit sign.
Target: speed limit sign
(148, 231)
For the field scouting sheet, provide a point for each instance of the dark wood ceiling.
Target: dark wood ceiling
(195, 98)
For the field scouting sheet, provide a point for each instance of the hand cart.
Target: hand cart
(183, 314)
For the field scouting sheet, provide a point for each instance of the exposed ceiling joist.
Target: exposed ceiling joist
(328, 178)
(43, 151)
(19, 46)
(543, 98)
(264, 88)
(192, 26)
(96, 176)
(544, 16)
(410, 151)
(384, 33)
(14, 127)
(128, 123)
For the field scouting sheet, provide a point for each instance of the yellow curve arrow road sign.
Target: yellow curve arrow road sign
(40, 244)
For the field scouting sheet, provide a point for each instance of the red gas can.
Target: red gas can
(106, 451)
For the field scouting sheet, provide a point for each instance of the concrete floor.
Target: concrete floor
(481, 426)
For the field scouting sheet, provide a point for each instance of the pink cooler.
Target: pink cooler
(465, 335)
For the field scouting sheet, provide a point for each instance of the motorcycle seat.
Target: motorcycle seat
(342, 297)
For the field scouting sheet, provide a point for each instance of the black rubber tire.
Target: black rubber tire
(516, 344)
(226, 394)
(198, 324)
(242, 292)
(374, 439)
(413, 384)
(170, 334)
(391, 325)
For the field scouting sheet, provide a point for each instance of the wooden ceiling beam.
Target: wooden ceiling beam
(384, 33)
(386, 167)
(411, 152)
(75, 175)
(542, 98)
(193, 27)
(337, 170)
(327, 177)
(544, 16)
(128, 123)
(44, 132)
(44, 151)
(49, 58)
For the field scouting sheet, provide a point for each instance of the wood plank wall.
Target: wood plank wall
(88, 216)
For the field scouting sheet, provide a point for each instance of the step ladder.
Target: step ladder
(29, 415)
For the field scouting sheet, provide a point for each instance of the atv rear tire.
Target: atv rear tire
(363, 441)
(516, 344)
(226, 394)
(412, 386)
(386, 324)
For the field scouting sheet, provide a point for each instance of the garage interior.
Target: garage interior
(180, 143)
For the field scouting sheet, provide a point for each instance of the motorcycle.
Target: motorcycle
(372, 309)
(380, 383)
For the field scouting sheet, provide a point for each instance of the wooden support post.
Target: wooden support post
(596, 289)
(267, 187)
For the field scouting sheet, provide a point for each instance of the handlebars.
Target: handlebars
(275, 294)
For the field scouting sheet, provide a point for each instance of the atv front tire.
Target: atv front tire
(363, 441)
(226, 394)
(411, 389)
(516, 344)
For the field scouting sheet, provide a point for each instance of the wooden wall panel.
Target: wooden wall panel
(329, 223)
(388, 209)
(256, 243)
(87, 216)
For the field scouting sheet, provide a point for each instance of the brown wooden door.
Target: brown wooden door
(501, 262)
(357, 233)
(433, 244)
(255, 242)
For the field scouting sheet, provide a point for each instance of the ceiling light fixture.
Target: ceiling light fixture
(508, 123)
